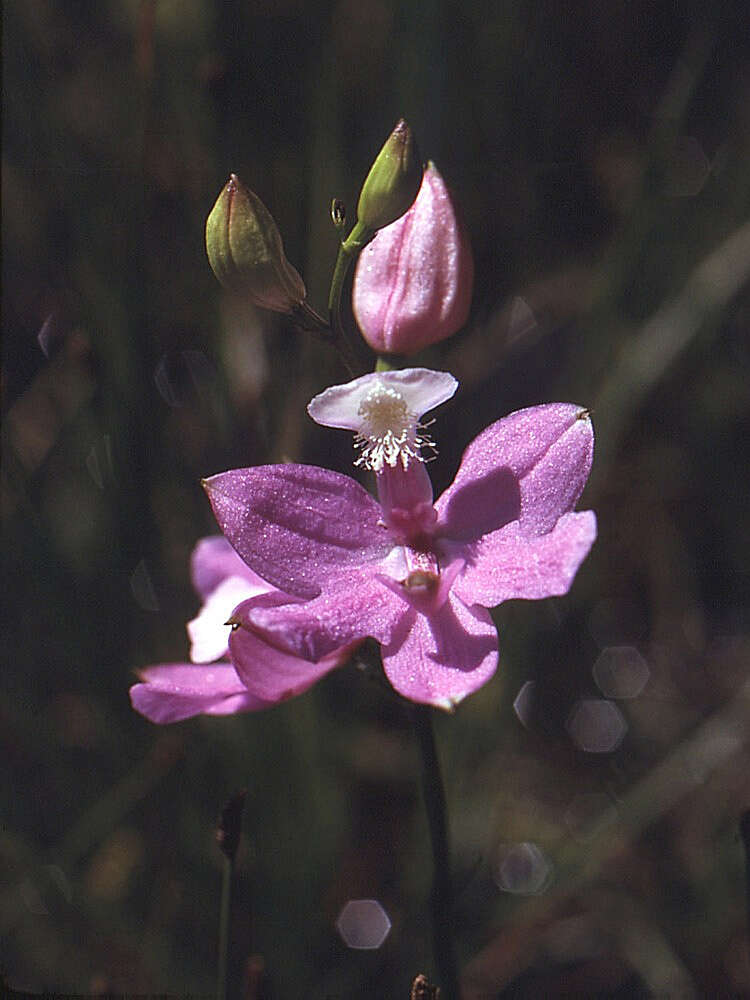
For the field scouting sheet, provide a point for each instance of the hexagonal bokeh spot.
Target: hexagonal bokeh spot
(521, 869)
(688, 168)
(524, 702)
(620, 672)
(363, 924)
(596, 725)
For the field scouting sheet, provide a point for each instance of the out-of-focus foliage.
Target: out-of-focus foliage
(600, 153)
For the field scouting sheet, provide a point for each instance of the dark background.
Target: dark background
(600, 153)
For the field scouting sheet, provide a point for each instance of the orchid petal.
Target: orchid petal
(532, 466)
(554, 486)
(273, 675)
(441, 658)
(171, 692)
(298, 526)
(213, 560)
(354, 606)
(511, 564)
(236, 704)
(421, 389)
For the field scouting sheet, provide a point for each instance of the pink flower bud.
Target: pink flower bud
(413, 282)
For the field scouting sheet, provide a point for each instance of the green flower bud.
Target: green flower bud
(393, 181)
(246, 253)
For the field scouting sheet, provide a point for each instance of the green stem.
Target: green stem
(383, 364)
(226, 899)
(390, 362)
(349, 250)
(442, 888)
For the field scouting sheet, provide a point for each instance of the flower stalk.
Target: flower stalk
(228, 838)
(227, 875)
(442, 883)
(349, 250)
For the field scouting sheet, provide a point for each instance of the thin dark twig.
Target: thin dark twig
(745, 834)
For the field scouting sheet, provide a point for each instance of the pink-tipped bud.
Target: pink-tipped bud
(413, 282)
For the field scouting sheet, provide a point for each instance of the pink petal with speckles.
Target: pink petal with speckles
(298, 526)
(530, 466)
(171, 692)
(354, 606)
(511, 564)
(440, 659)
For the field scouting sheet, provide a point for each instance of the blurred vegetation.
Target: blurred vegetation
(601, 156)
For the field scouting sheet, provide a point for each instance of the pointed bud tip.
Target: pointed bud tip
(231, 190)
(393, 180)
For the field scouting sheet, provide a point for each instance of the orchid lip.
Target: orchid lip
(384, 409)
(391, 433)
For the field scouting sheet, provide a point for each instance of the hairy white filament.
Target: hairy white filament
(390, 432)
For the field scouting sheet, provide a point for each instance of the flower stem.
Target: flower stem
(357, 239)
(226, 898)
(442, 888)
(228, 832)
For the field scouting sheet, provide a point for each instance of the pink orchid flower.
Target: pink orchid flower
(413, 281)
(414, 575)
(210, 685)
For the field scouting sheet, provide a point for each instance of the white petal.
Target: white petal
(208, 631)
(422, 390)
